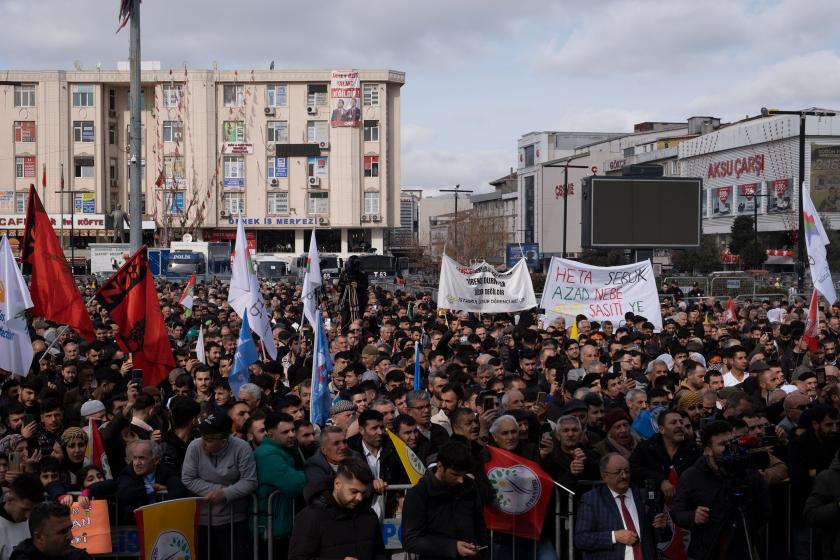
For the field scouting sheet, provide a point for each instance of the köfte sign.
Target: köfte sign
(87, 221)
(754, 165)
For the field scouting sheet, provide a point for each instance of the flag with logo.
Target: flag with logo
(168, 530)
(523, 490)
(815, 242)
(186, 300)
(244, 295)
(412, 464)
(15, 345)
(246, 354)
(319, 411)
(812, 324)
(731, 312)
(130, 298)
(54, 294)
(95, 452)
(311, 281)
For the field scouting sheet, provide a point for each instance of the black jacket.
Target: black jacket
(132, 490)
(27, 551)
(435, 517)
(822, 510)
(391, 469)
(323, 529)
(650, 460)
(807, 452)
(702, 486)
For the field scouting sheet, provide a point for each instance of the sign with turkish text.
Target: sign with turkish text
(91, 527)
(721, 201)
(747, 198)
(779, 192)
(237, 149)
(79, 221)
(482, 289)
(345, 96)
(825, 177)
(752, 165)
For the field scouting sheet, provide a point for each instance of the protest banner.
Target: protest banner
(600, 293)
(482, 289)
(91, 527)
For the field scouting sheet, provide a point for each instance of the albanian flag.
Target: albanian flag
(131, 300)
(523, 491)
(52, 287)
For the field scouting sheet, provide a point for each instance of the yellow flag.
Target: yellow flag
(573, 334)
(168, 530)
(414, 467)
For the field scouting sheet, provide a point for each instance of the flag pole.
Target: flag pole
(314, 365)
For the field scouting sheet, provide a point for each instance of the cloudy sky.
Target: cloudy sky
(479, 73)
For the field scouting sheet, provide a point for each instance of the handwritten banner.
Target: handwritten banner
(600, 293)
(91, 528)
(481, 289)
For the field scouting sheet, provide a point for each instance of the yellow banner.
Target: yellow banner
(413, 465)
(168, 530)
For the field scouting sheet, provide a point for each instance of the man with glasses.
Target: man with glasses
(419, 407)
(612, 521)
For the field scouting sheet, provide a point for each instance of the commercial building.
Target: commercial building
(433, 211)
(404, 235)
(284, 150)
(495, 213)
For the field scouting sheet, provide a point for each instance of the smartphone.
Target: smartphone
(137, 376)
(479, 548)
(14, 461)
(541, 397)
(29, 418)
(489, 403)
(820, 371)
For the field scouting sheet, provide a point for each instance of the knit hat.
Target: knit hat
(342, 406)
(614, 415)
(216, 426)
(689, 399)
(697, 357)
(92, 407)
(73, 434)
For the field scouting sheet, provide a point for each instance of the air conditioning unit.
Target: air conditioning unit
(223, 214)
(269, 111)
(323, 221)
(274, 182)
(112, 113)
(377, 218)
(314, 181)
(311, 109)
(365, 218)
(324, 145)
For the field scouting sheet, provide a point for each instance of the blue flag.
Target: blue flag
(417, 385)
(246, 354)
(321, 367)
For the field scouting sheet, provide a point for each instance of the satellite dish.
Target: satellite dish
(187, 238)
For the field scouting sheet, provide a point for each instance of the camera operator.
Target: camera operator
(722, 498)
(353, 291)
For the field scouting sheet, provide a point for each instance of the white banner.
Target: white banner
(601, 293)
(482, 289)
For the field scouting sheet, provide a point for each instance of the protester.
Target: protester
(24, 493)
(50, 526)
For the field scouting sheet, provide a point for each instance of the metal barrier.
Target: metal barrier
(232, 508)
(269, 515)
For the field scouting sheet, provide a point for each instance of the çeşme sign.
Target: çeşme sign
(600, 293)
(482, 289)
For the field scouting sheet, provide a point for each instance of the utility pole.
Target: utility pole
(135, 163)
(565, 193)
(457, 190)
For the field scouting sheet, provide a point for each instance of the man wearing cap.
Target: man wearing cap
(92, 410)
(221, 469)
(805, 380)
(342, 414)
(620, 438)
(369, 357)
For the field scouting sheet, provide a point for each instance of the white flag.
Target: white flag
(15, 344)
(311, 282)
(199, 346)
(815, 241)
(244, 295)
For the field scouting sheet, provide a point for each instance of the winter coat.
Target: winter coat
(650, 460)
(132, 490)
(26, 551)
(822, 509)
(276, 472)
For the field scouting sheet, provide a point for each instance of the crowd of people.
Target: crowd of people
(714, 438)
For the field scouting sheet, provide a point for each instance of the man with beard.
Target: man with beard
(620, 438)
(691, 402)
(654, 458)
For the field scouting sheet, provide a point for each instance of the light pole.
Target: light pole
(800, 237)
(457, 190)
(135, 209)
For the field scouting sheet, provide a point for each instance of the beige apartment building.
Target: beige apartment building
(284, 150)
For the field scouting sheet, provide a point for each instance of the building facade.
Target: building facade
(433, 211)
(404, 236)
(495, 213)
(284, 150)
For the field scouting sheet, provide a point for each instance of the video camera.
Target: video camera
(741, 455)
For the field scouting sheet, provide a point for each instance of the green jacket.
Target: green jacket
(276, 471)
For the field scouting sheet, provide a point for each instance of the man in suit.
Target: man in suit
(612, 523)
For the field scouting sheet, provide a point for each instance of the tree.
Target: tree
(701, 260)
(742, 234)
(599, 257)
(753, 255)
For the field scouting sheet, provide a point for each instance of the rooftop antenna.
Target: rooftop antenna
(271, 66)
(77, 64)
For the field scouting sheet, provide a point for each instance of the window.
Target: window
(316, 94)
(142, 170)
(82, 95)
(25, 131)
(173, 170)
(233, 203)
(371, 131)
(317, 131)
(173, 131)
(234, 172)
(318, 167)
(83, 131)
(233, 95)
(84, 202)
(529, 155)
(25, 95)
(370, 94)
(173, 202)
(84, 168)
(21, 202)
(277, 131)
(371, 166)
(233, 131)
(113, 169)
(172, 94)
(371, 203)
(25, 166)
(275, 95)
(528, 219)
(319, 203)
(112, 134)
(278, 167)
(278, 202)
(112, 99)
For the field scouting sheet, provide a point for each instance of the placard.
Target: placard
(91, 527)
(747, 198)
(482, 289)
(600, 293)
(779, 193)
(345, 94)
(721, 201)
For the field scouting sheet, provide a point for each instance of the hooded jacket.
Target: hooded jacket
(822, 509)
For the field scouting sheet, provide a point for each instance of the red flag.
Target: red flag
(95, 452)
(130, 298)
(159, 181)
(44, 176)
(731, 312)
(52, 287)
(523, 491)
(61, 182)
(812, 325)
(673, 549)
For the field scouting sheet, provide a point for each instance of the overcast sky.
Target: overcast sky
(479, 73)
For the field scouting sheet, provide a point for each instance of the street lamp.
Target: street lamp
(800, 250)
(457, 190)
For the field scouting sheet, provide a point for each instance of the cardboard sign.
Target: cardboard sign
(91, 527)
